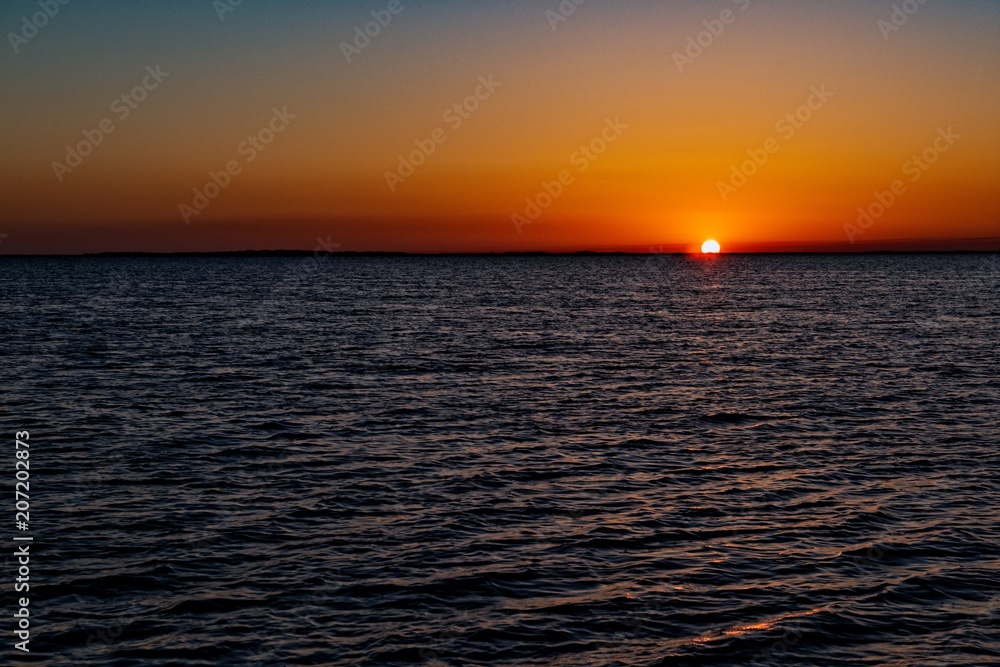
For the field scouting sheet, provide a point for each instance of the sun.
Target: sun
(711, 247)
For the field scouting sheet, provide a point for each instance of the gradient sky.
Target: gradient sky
(655, 186)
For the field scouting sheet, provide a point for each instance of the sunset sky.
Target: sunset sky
(666, 121)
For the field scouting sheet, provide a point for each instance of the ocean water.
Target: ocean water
(745, 460)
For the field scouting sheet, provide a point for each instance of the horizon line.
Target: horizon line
(530, 253)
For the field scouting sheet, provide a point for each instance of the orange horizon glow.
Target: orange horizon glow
(797, 128)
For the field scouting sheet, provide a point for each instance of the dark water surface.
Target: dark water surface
(773, 460)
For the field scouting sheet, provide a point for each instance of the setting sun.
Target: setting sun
(711, 247)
